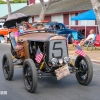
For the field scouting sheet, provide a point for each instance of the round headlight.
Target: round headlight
(54, 61)
(60, 61)
(66, 60)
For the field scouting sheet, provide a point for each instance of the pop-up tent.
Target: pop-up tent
(88, 15)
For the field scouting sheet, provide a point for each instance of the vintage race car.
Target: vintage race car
(44, 52)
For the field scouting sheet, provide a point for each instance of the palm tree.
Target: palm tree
(96, 8)
(9, 7)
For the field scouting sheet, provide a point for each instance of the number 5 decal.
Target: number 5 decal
(57, 49)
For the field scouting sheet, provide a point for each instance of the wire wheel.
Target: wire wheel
(85, 70)
(30, 75)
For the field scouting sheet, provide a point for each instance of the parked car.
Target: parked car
(1, 25)
(4, 30)
(61, 29)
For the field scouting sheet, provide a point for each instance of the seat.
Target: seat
(75, 39)
(12, 39)
(13, 43)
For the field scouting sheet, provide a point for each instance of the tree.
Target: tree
(45, 6)
(96, 8)
(9, 7)
(2, 2)
(18, 1)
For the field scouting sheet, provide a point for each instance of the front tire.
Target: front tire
(85, 70)
(7, 66)
(30, 75)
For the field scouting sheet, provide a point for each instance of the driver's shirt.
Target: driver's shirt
(16, 35)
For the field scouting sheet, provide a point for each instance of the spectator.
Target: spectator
(90, 38)
(6, 37)
(40, 26)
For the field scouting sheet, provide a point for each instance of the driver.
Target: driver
(17, 33)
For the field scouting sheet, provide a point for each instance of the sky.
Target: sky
(14, 7)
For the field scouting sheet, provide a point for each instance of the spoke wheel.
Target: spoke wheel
(7, 66)
(85, 70)
(30, 75)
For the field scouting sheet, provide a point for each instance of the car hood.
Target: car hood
(40, 37)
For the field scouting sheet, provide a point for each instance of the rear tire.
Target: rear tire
(30, 75)
(7, 66)
(85, 70)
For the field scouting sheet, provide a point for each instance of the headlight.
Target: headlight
(66, 60)
(60, 61)
(54, 61)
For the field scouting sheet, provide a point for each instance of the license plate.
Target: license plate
(62, 72)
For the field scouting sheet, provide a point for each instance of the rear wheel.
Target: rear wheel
(85, 70)
(7, 66)
(30, 75)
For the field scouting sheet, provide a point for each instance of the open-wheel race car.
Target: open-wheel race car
(41, 52)
(44, 52)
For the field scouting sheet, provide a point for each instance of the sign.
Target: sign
(62, 72)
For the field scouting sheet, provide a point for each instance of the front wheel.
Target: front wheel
(30, 75)
(85, 70)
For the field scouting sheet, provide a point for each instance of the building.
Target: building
(62, 12)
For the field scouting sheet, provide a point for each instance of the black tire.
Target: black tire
(7, 66)
(30, 75)
(85, 70)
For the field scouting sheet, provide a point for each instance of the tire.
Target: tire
(7, 66)
(30, 75)
(85, 70)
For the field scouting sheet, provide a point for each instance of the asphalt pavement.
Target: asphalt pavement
(49, 88)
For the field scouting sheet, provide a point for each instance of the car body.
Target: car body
(4, 30)
(1, 25)
(61, 29)
(52, 50)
